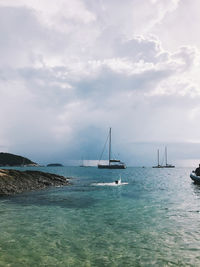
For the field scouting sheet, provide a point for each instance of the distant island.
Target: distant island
(14, 181)
(54, 165)
(8, 159)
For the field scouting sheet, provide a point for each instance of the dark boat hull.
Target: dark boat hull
(158, 167)
(195, 178)
(169, 166)
(111, 166)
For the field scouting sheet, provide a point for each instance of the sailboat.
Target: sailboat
(166, 164)
(112, 163)
(82, 165)
(158, 166)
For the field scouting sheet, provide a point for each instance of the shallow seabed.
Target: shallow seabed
(154, 220)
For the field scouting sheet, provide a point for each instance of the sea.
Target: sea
(153, 219)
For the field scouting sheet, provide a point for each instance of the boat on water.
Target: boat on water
(166, 164)
(195, 178)
(112, 163)
(119, 181)
(82, 165)
(115, 183)
(85, 163)
(158, 158)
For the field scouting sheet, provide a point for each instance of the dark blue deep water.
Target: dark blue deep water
(154, 220)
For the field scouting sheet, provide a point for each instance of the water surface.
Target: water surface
(151, 221)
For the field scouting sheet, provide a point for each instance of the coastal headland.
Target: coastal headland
(14, 181)
(8, 159)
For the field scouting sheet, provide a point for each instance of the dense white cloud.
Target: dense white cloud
(71, 69)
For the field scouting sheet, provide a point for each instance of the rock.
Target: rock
(14, 181)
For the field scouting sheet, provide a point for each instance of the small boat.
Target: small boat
(115, 183)
(82, 165)
(119, 181)
(195, 178)
(166, 164)
(158, 166)
(112, 163)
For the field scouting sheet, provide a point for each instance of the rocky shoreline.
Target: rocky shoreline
(14, 181)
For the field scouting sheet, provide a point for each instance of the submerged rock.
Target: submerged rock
(14, 181)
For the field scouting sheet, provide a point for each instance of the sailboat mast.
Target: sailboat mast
(166, 156)
(109, 156)
(158, 158)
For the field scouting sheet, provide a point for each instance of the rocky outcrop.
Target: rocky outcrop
(8, 159)
(14, 181)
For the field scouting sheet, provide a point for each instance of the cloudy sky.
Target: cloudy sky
(70, 69)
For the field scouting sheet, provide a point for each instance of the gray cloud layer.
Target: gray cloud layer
(70, 70)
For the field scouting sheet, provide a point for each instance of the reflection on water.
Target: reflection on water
(196, 189)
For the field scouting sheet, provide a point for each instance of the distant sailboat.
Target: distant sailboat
(158, 166)
(82, 165)
(166, 164)
(112, 163)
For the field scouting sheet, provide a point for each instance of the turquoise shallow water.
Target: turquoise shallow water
(152, 221)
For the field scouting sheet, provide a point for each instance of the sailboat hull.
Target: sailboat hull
(158, 166)
(168, 166)
(111, 166)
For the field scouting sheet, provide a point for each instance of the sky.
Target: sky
(70, 69)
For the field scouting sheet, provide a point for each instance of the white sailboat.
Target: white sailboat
(112, 163)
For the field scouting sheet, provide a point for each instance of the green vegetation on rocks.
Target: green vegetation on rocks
(8, 159)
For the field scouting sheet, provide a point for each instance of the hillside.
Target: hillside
(7, 159)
